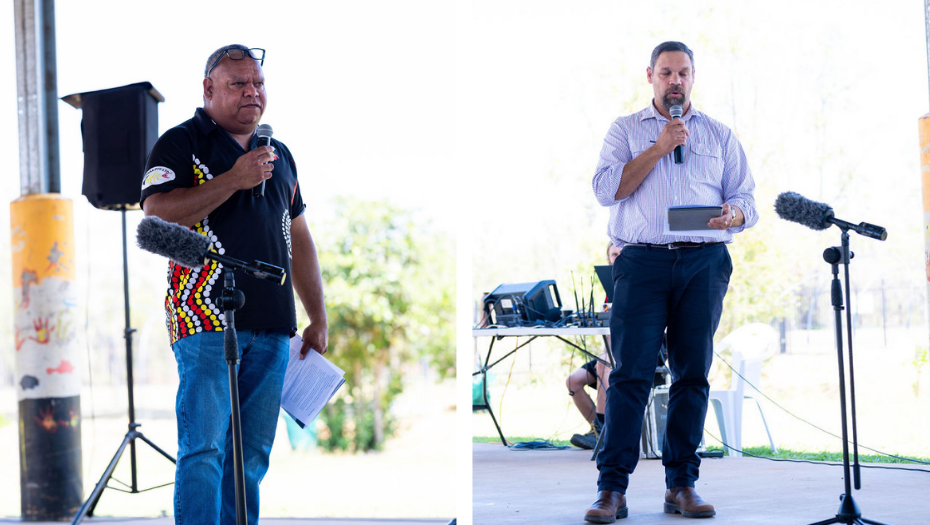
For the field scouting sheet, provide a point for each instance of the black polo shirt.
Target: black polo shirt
(244, 227)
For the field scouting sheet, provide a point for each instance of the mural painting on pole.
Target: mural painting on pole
(47, 357)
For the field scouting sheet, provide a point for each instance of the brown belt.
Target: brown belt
(673, 245)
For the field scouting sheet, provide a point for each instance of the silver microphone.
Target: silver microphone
(263, 132)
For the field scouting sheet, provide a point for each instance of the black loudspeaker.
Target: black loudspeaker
(119, 128)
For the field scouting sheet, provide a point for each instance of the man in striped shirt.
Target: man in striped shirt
(665, 280)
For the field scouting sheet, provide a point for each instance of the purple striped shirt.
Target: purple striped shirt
(714, 171)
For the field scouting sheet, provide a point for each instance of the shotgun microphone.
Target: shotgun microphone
(819, 216)
(192, 250)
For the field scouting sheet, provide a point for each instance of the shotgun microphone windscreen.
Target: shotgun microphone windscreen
(181, 245)
(795, 208)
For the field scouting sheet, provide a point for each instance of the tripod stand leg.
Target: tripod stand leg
(597, 445)
(153, 445)
(498, 427)
(825, 522)
(87, 509)
(840, 255)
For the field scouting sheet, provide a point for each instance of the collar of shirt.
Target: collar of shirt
(203, 121)
(206, 125)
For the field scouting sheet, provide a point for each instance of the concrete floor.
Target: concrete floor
(556, 487)
(301, 483)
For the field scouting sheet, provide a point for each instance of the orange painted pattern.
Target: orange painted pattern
(924, 130)
(42, 229)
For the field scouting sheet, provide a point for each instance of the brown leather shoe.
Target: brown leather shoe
(685, 501)
(609, 507)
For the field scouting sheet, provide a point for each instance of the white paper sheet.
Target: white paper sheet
(308, 384)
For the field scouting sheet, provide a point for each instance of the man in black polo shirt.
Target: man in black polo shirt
(200, 174)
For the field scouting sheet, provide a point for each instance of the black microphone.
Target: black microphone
(819, 216)
(872, 230)
(181, 245)
(263, 132)
(192, 250)
(675, 111)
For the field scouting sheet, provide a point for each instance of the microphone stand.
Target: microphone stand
(231, 300)
(848, 512)
(87, 508)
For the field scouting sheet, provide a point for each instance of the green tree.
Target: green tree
(389, 285)
(431, 315)
(762, 287)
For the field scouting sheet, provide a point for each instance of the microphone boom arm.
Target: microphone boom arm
(863, 228)
(261, 270)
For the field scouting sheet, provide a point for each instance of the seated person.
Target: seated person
(594, 374)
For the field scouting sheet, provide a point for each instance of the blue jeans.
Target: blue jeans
(204, 490)
(657, 289)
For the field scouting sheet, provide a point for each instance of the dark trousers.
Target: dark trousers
(657, 289)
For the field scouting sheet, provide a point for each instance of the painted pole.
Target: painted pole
(924, 130)
(47, 357)
(42, 234)
(924, 126)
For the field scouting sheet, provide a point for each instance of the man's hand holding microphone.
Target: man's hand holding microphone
(254, 168)
(674, 135)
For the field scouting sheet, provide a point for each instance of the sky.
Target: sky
(824, 98)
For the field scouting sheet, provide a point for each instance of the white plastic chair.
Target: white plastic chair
(749, 345)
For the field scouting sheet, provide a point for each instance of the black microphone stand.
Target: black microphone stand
(230, 301)
(848, 512)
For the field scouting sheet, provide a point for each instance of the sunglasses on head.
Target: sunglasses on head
(255, 54)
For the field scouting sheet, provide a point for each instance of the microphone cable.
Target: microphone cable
(536, 445)
(816, 462)
(799, 418)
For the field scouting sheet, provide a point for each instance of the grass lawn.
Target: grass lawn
(760, 451)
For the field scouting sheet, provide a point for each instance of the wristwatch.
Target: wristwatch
(732, 213)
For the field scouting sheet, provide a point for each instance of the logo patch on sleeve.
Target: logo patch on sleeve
(157, 175)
